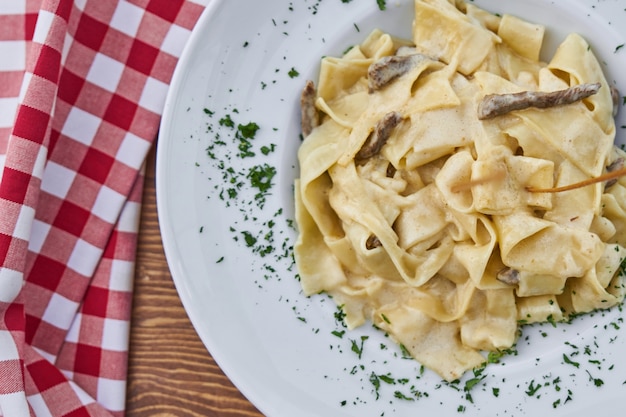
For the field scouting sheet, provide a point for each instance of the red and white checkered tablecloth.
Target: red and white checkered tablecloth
(82, 87)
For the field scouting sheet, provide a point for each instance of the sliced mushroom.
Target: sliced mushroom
(309, 116)
(494, 105)
(388, 68)
(614, 166)
(377, 139)
(373, 242)
(508, 276)
(616, 99)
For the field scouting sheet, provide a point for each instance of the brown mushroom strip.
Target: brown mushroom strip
(373, 242)
(379, 136)
(615, 97)
(495, 105)
(309, 116)
(616, 165)
(388, 68)
(508, 276)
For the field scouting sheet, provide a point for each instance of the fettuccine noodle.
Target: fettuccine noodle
(417, 215)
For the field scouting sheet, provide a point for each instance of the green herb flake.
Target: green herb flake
(293, 73)
(382, 4)
(568, 361)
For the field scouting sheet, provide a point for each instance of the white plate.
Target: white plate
(277, 346)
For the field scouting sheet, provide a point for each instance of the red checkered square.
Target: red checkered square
(5, 244)
(14, 320)
(167, 10)
(80, 412)
(46, 272)
(47, 375)
(90, 32)
(16, 185)
(96, 301)
(87, 359)
(47, 64)
(70, 86)
(142, 57)
(120, 112)
(33, 124)
(96, 165)
(71, 218)
(30, 19)
(63, 9)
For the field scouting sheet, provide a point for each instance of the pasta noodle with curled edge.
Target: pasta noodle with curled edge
(435, 234)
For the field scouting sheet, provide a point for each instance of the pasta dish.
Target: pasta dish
(455, 186)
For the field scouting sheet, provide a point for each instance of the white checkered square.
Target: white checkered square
(44, 23)
(25, 83)
(81, 394)
(38, 236)
(17, 51)
(60, 311)
(122, 273)
(3, 159)
(105, 72)
(133, 151)
(24, 222)
(12, 6)
(115, 335)
(57, 179)
(40, 162)
(81, 126)
(129, 218)
(73, 334)
(84, 258)
(80, 4)
(11, 282)
(15, 404)
(67, 44)
(153, 95)
(175, 40)
(9, 350)
(47, 356)
(8, 108)
(127, 18)
(108, 204)
(111, 393)
(39, 406)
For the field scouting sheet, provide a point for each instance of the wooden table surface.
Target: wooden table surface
(170, 371)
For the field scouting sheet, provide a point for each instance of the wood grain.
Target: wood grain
(170, 372)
